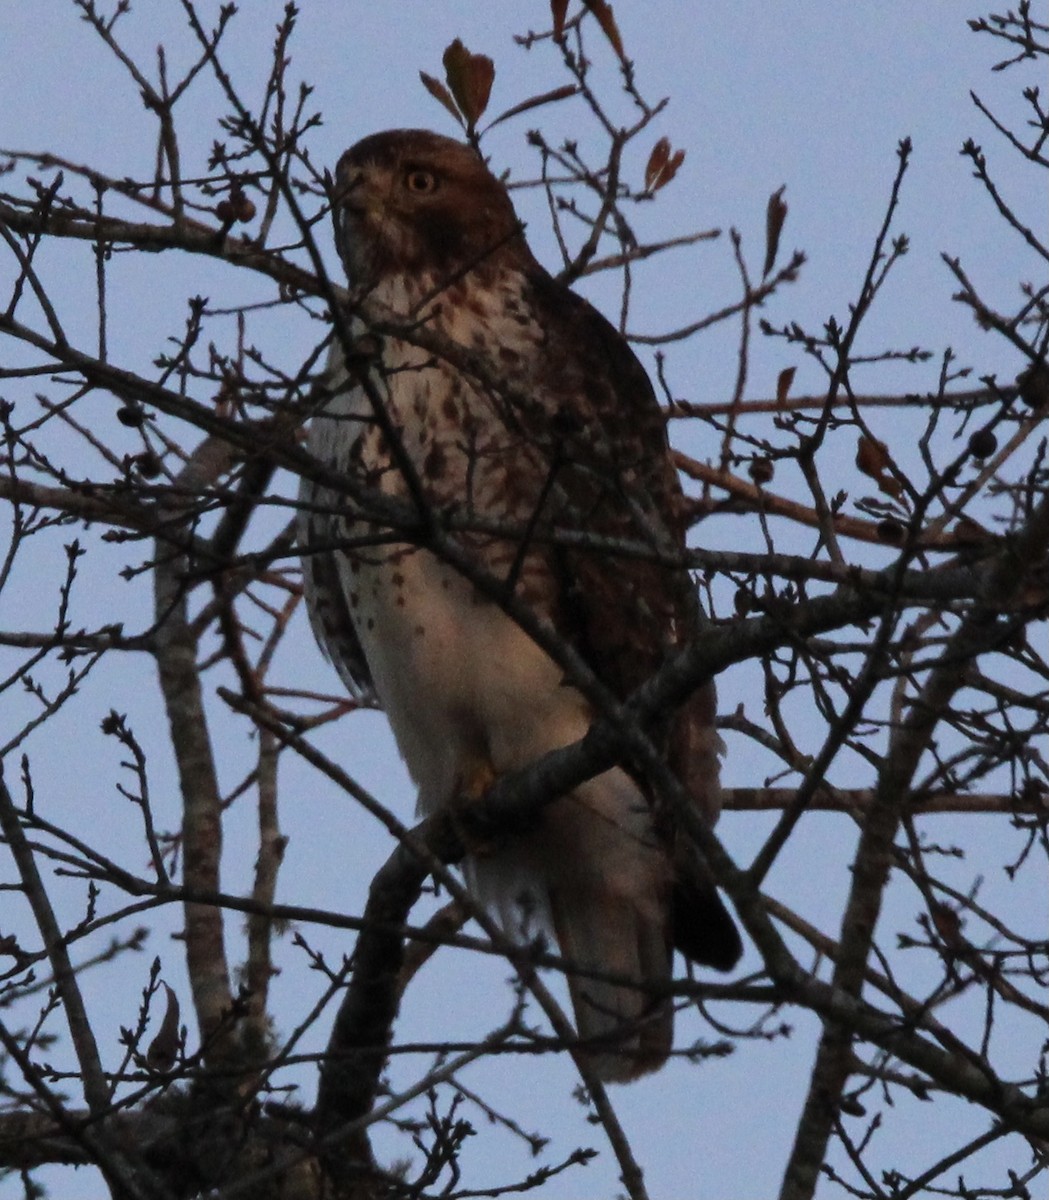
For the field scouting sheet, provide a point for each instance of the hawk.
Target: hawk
(537, 430)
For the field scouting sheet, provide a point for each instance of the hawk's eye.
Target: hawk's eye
(420, 182)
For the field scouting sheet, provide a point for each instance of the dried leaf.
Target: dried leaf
(602, 13)
(561, 93)
(657, 160)
(469, 78)
(163, 1049)
(676, 159)
(872, 456)
(851, 1107)
(873, 459)
(948, 925)
(558, 10)
(783, 382)
(662, 165)
(440, 93)
(775, 215)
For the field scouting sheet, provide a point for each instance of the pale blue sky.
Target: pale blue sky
(815, 96)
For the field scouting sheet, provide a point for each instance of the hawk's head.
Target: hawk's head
(408, 200)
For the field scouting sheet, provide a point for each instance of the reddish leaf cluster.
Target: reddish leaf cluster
(874, 460)
(600, 10)
(662, 165)
(469, 80)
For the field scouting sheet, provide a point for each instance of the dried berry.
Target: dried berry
(243, 207)
(761, 470)
(890, 531)
(147, 464)
(131, 415)
(1033, 385)
(982, 444)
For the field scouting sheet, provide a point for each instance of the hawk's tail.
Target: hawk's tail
(594, 873)
(626, 1029)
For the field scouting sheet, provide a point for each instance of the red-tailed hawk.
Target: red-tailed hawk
(542, 423)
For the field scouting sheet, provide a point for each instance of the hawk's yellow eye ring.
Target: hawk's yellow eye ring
(420, 182)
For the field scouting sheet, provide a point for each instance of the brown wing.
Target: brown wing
(603, 435)
(321, 530)
(326, 597)
(608, 435)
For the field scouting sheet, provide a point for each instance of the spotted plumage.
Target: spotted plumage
(528, 417)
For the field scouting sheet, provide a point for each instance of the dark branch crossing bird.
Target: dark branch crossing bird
(559, 432)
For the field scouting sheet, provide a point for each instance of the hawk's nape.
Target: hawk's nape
(557, 431)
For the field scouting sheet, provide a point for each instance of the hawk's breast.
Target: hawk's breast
(468, 693)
